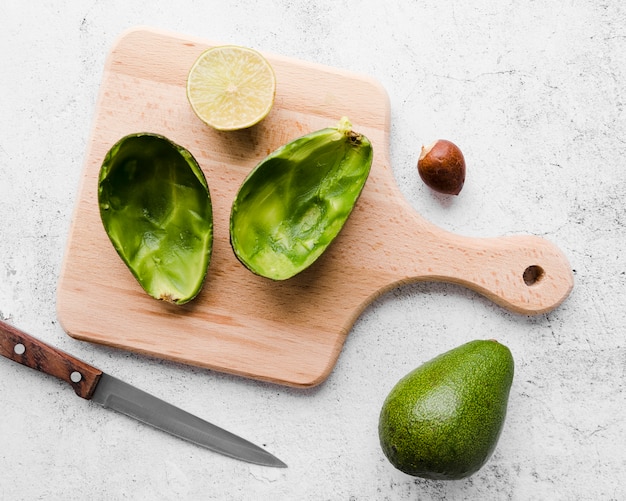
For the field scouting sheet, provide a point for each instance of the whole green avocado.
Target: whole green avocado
(443, 420)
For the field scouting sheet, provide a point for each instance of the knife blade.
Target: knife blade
(92, 384)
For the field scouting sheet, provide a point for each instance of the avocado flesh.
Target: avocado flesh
(443, 420)
(156, 209)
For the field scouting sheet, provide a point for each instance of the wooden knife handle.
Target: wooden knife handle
(31, 352)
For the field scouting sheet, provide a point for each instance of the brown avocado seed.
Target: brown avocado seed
(442, 167)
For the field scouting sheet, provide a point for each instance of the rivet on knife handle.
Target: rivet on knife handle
(27, 350)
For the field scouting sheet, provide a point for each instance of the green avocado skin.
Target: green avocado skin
(443, 420)
(156, 209)
(294, 203)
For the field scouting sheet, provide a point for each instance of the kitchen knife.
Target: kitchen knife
(92, 384)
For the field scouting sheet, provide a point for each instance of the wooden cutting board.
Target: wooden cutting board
(287, 332)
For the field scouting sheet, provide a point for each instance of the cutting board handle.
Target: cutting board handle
(524, 273)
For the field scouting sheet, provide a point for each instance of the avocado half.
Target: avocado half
(156, 209)
(294, 203)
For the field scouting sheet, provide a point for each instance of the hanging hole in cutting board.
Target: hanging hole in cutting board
(533, 274)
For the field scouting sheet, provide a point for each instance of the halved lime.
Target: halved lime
(231, 87)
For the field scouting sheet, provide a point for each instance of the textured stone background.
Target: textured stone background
(533, 92)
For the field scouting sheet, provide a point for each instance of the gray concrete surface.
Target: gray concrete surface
(534, 92)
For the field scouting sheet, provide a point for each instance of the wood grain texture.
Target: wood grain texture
(45, 358)
(287, 332)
